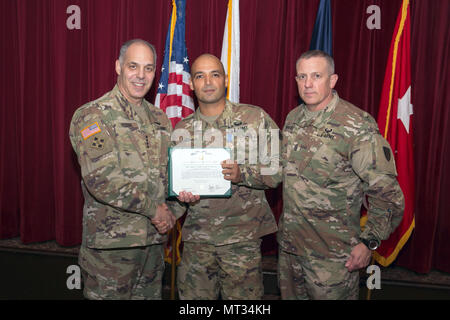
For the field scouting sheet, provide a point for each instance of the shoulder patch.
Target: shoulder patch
(387, 153)
(90, 130)
(384, 158)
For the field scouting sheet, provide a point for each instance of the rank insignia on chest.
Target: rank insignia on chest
(241, 128)
(90, 130)
(327, 134)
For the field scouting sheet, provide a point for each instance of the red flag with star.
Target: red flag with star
(395, 121)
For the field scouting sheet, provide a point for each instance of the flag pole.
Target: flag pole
(175, 72)
(369, 291)
(173, 266)
(173, 231)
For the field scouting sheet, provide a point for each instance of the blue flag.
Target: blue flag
(322, 34)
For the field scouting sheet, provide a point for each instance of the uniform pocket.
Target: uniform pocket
(131, 144)
(321, 166)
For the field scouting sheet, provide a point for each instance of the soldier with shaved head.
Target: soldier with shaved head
(221, 255)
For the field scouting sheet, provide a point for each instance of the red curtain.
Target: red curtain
(430, 52)
(48, 71)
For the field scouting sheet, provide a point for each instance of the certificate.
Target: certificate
(198, 170)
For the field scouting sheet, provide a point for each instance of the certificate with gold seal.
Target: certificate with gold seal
(198, 170)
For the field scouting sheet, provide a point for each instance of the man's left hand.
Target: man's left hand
(188, 197)
(231, 171)
(359, 257)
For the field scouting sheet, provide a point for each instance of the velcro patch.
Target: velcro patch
(90, 130)
(384, 158)
(387, 153)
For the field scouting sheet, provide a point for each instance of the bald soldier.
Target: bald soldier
(221, 254)
(121, 141)
(333, 157)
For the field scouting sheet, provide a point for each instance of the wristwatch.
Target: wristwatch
(372, 244)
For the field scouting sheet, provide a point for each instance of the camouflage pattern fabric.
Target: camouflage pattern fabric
(300, 278)
(122, 152)
(130, 274)
(246, 215)
(231, 271)
(330, 163)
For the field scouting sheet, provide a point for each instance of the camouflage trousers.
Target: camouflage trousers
(234, 271)
(131, 273)
(305, 278)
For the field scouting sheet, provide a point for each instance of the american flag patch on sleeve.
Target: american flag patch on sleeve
(90, 130)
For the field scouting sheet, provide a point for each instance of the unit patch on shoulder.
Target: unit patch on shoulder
(90, 130)
(387, 153)
(98, 142)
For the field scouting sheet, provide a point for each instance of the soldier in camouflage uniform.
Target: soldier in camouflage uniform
(221, 254)
(121, 142)
(333, 156)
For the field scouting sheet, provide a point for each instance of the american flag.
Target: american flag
(90, 130)
(174, 95)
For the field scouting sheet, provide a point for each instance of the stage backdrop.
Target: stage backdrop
(50, 66)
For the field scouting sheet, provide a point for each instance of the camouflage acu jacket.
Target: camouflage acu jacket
(247, 214)
(122, 152)
(329, 164)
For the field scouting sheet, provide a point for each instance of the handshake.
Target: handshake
(164, 219)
